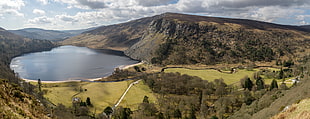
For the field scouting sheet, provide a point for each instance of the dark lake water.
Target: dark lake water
(68, 63)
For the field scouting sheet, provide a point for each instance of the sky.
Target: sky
(81, 14)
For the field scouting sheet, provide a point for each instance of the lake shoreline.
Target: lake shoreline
(122, 67)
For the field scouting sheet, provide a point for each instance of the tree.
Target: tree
(177, 114)
(146, 99)
(108, 110)
(137, 69)
(122, 113)
(248, 84)
(88, 103)
(161, 115)
(247, 97)
(260, 83)
(148, 109)
(83, 103)
(126, 113)
(220, 87)
(192, 113)
(39, 85)
(281, 74)
(274, 84)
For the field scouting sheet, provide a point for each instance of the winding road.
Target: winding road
(122, 97)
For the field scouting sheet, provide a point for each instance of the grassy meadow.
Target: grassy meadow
(101, 94)
(211, 74)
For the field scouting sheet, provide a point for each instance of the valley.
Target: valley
(192, 67)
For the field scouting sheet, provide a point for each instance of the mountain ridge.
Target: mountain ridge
(159, 39)
(52, 35)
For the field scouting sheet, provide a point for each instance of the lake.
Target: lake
(69, 63)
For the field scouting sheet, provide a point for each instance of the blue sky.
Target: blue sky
(79, 14)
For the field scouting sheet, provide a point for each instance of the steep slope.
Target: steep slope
(189, 39)
(116, 37)
(173, 38)
(295, 111)
(52, 35)
(14, 101)
(15, 104)
(12, 45)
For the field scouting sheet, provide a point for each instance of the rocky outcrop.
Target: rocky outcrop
(173, 38)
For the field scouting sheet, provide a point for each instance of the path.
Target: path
(120, 100)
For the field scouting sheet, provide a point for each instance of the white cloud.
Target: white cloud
(11, 7)
(93, 4)
(66, 18)
(154, 2)
(302, 19)
(272, 13)
(40, 20)
(38, 11)
(104, 12)
(44, 2)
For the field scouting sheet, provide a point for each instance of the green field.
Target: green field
(211, 74)
(101, 94)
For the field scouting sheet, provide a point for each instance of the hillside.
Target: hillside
(116, 37)
(173, 38)
(15, 104)
(52, 35)
(295, 111)
(305, 27)
(15, 100)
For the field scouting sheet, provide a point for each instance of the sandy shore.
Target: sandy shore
(94, 79)
(128, 66)
(29, 80)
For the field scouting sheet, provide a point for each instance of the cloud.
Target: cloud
(272, 13)
(155, 2)
(11, 7)
(83, 4)
(302, 19)
(40, 20)
(44, 2)
(93, 4)
(104, 12)
(66, 18)
(38, 11)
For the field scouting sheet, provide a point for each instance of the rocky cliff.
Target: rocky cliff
(173, 38)
(188, 39)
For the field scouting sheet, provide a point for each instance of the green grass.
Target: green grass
(136, 94)
(211, 74)
(101, 94)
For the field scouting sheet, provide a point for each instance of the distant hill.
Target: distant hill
(16, 101)
(116, 37)
(173, 38)
(306, 27)
(53, 35)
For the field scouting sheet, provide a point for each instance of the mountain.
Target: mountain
(12, 45)
(116, 37)
(306, 27)
(16, 101)
(173, 38)
(53, 35)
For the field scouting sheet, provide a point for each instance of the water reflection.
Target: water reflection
(68, 63)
